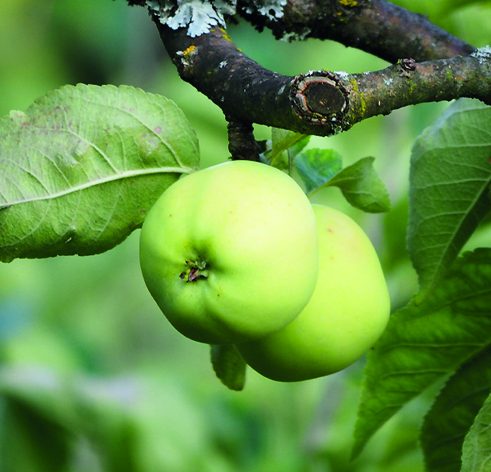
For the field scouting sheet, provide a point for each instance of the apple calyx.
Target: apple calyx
(194, 271)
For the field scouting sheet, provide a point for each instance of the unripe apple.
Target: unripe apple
(230, 252)
(345, 316)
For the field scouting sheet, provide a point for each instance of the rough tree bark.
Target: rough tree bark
(429, 64)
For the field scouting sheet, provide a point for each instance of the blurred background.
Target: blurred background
(92, 376)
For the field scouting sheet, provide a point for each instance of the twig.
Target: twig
(241, 142)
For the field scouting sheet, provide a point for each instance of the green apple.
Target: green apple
(230, 252)
(345, 316)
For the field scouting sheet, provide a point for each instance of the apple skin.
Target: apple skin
(229, 253)
(346, 315)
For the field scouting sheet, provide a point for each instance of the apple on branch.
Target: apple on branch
(230, 252)
(346, 315)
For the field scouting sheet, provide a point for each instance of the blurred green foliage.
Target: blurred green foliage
(92, 377)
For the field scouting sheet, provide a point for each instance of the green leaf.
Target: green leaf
(427, 341)
(317, 166)
(453, 412)
(80, 169)
(35, 436)
(283, 139)
(449, 181)
(46, 412)
(360, 184)
(41, 388)
(284, 146)
(476, 455)
(32, 440)
(105, 413)
(228, 365)
(362, 187)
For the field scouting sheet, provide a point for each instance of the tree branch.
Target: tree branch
(241, 142)
(320, 102)
(408, 83)
(375, 26)
(323, 102)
